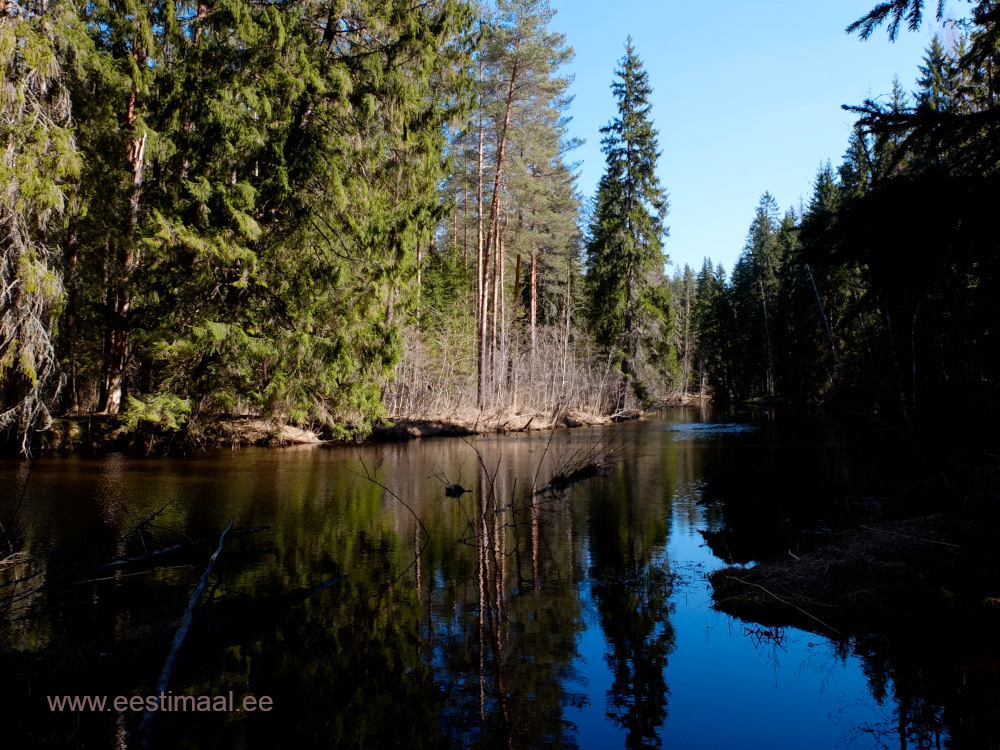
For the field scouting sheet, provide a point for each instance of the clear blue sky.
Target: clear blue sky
(746, 99)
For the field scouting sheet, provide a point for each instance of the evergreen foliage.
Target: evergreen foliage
(244, 189)
(328, 213)
(876, 297)
(629, 301)
(39, 166)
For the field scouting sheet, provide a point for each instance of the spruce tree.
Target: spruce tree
(39, 164)
(625, 256)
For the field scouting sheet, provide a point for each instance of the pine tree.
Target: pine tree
(625, 258)
(530, 208)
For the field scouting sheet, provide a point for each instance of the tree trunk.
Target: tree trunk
(420, 268)
(512, 336)
(566, 313)
(119, 295)
(480, 264)
(767, 333)
(686, 369)
(826, 322)
(534, 303)
(628, 350)
(494, 223)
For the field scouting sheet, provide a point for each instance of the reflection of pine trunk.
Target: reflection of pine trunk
(483, 533)
(498, 577)
(416, 559)
(535, 579)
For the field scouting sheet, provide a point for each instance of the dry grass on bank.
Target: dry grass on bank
(934, 572)
(471, 422)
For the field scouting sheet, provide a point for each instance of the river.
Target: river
(380, 610)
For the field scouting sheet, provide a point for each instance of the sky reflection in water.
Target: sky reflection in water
(581, 617)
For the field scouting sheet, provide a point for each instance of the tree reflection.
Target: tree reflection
(631, 586)
(938, 699)
(504, 627)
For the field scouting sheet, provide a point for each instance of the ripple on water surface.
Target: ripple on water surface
(711, 430)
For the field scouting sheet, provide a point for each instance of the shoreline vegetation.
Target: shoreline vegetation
(94, 432)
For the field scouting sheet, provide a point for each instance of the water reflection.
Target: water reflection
(379, 611)
(631, 584)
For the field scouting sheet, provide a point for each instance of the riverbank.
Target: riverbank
(933, 576)
(486, 423)
(102, 432)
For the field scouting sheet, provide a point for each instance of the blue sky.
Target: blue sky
(746, 99)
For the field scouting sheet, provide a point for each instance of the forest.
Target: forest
(337, 215)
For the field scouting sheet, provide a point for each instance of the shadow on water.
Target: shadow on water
(391, 613)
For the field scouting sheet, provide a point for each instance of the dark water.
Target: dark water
(500, 618)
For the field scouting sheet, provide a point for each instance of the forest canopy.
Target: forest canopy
(334, 215)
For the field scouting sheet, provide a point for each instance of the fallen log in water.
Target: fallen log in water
(167, 673)
(156, 556)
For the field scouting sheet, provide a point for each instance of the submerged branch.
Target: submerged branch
(170, 664)
(156, 555)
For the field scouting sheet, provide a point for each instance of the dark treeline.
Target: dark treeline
(330, 214)
(878, 295)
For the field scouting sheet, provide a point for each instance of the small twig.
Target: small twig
(138, 530)
(119, 576)
(373, 480)
(785, 601)
(907, 536)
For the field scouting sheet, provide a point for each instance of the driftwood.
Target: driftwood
(167, 673)
(154, 556)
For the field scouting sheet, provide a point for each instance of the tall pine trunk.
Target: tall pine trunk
(492, 241)
(480, 265)
(120, 270)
